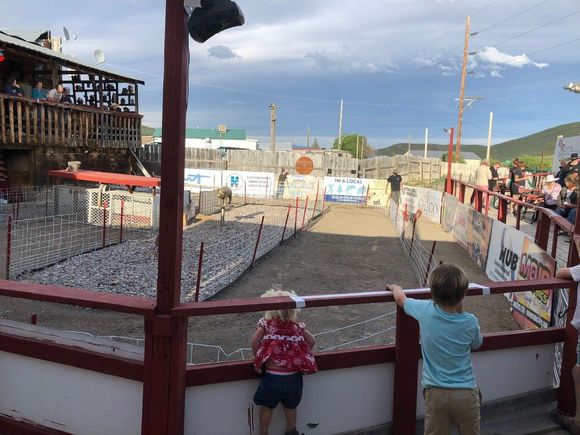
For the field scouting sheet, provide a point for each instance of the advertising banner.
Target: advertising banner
(505, 252)
(351, 190)
(250, 183)
(426, 200)
(461, 223)
(564, 148)
(449, 210)
(302, 185)
(533, 310)
(377, 193)
(203, 177)
(478, 235)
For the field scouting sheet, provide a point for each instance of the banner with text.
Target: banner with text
(350, 190)
(565, 147)
(426, 200)
(460, 224)
(478, 236)
(205, 178)
(449, 210)
(377, 193)
(250, 183)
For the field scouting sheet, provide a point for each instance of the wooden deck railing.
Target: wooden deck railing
(26, 122)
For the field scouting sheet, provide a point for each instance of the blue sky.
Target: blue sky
(395, 63)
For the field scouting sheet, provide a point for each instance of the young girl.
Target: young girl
(283, 349)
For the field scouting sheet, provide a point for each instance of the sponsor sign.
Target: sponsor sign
(533, 310)
(449, 210)
(250, 183)
(304, 165)
(478, 235)
(564, 148)
(505, 252)
(203, 177)
(377, 193)
(351, 190)
(426, 200)
(302, 185)
(460, 224)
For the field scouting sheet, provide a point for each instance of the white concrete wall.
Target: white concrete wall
(67, 398)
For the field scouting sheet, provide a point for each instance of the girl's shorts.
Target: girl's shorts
(274, 389)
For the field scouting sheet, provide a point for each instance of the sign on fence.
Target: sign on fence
(427, 200)
(250, 183)
(377, 193)
(203, 177)
(351, 190)
(564, 148)
(478, 235)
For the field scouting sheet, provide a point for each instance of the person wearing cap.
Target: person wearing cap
(563, 171)
(550, 192)
(395, 180)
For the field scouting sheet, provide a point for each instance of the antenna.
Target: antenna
(67, 35)
(99, 56)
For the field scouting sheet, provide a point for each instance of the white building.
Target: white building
(220, 138)
(469, 157)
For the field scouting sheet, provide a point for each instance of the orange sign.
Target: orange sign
(304, 165)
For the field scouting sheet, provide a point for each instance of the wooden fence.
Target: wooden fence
(27, 122)
(410, 168)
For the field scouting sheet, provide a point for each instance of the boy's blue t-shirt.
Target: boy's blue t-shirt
(446, 343)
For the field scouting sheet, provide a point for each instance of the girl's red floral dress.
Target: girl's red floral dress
(283, 344)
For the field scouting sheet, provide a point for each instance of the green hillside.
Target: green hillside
(401, 148)
(147, 131)
(531, 145)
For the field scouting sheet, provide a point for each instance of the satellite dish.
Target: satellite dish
(99, 56)
(67, 35)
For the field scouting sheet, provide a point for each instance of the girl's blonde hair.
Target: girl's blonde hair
(288, 314)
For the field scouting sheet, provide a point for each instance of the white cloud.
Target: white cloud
(494, 56)
(221, 52)
(424, 61)
(347, 62)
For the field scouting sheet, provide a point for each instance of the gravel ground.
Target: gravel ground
(131, 267)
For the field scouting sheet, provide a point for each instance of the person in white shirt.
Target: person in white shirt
(482, 177)
(55, 95)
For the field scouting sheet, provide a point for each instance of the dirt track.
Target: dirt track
(349, 249)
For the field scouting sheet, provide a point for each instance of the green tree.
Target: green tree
(348, 144)
(533, 163)
(315, 144)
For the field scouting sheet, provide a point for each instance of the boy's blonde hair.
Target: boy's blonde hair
(448, 285)
(288, 314)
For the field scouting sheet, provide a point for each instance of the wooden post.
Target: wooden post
(104, 224)
(406, 372)
(199, 266)
(257, 243)
(315, 200)
(429, 262)
(323, 200)
(304, 215)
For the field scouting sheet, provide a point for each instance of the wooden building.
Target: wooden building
(98, 128)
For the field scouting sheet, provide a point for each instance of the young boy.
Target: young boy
(447, 336)
(571, 424)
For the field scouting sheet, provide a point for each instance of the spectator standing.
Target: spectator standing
(494, 176)
(66, 98)
(396, 181)
(550, 192)
(482, 178)
(563, 171)
(448, 334)
(281, 183)
(568, 200)
(38, 93)
(568, 422)
(13, 88)
(55, 95)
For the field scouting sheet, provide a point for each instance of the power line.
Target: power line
(512, 16)
(537, 28)
(554, 46)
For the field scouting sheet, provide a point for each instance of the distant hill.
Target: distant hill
(401, 148)
(531, 145)
(147, 131)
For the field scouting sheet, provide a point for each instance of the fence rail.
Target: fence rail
(30, 122)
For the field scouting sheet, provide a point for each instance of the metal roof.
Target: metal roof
(7, 40)
(438, 154)
(211, 133)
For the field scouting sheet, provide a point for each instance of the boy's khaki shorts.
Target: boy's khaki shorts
(445, 407)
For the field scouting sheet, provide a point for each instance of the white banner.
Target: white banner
(203, 178)
(250, 183)
(339, 189)
(426, 200)
(505, 252)
(564, 148)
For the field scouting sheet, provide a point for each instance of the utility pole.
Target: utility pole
(426, 141)
(489, 136)
(462, 89)
(357, 146)
(362, 147)
(273, 127)
(308, 137)
(340, 127)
